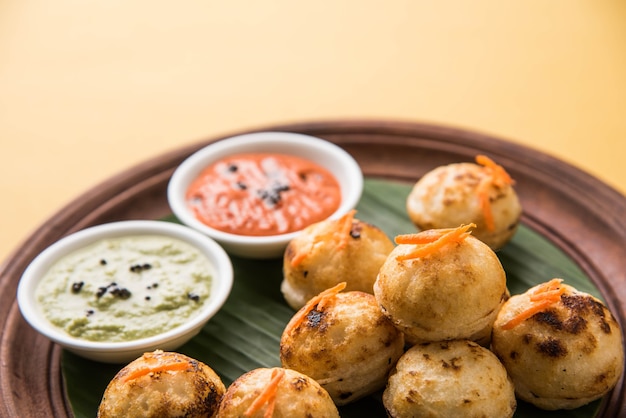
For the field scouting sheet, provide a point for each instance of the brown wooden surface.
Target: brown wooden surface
(578, 213)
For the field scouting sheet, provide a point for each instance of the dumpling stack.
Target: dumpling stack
(443, 288)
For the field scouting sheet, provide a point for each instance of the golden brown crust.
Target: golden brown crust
(297, 395)
(327, 263)
(564, 356)
(177, 386)
(453, 293)
(348, 346)
(449, 379)
(447, 197)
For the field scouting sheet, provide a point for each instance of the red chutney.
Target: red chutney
(263, 194)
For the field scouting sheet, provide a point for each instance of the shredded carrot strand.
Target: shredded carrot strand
(345, 226)
(423, 237)
(269, 411)
(553, 284)
(544, 296)
(453, 235)
(497, 172)
(298, 258)
(321, 300)
(341, 235)
(485, 204)
(139, 372)
(304, 252)
(552, 295)
(497, 176)
(268, 396)
(527, 313)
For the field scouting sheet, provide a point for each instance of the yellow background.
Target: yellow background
(89, 88)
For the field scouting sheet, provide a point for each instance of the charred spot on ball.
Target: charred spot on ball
(299, 384)
(600, 378)
(575, 324)
(549, 318)
(451, 364)
(552, 347)
(355, 231)
(605, 327)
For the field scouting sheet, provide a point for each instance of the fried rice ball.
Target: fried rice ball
(562, 347)
(442, 285)
(464, 193)
(330, 252)
(449, 379)
(163, 384)
(344, 342)
(286, 393)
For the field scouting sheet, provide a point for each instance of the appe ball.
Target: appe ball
(344, 342)
(276, 392)
(449, 379)
(330, 252)
(163, 384)
(451, 292)
(463, 193)
(562, 347)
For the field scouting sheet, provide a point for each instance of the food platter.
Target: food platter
(575, 212)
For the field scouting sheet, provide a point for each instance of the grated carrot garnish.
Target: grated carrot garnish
(496, 175)
(433, 240)
(344, 230)
(297, 259)
(304, 251)
(554, 284)
(267, 396)
(527, 313)
(485, 204)
(499, 175)
(320, 300)
(423, 237)
(544, 296)
(341, 235)
(143, 371)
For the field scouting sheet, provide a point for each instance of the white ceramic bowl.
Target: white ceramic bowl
(122, 352)
(324, 153)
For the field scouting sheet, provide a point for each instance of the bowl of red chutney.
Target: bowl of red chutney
(253, 193)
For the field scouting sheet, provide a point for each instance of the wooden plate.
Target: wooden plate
(576, 212)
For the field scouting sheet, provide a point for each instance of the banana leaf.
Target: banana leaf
(245, 333)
